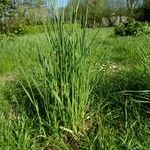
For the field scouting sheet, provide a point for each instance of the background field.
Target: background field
(118, 116)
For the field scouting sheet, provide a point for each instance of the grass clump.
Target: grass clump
(55, 91)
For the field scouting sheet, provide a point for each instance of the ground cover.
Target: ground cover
(117, 116)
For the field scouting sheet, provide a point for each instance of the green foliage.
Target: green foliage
(132, 28)
(6, 8)
(9, 23)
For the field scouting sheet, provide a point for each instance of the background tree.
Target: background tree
(33, 11)
(94, 8)
(146, 10)
(95, 11)
(7, 8)
(132, 5)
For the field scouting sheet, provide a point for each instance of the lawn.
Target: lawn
(112, 87)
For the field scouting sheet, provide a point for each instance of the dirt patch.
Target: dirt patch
(113, 67)
(7, 78)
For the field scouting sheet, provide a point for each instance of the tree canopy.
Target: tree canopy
(6, 7)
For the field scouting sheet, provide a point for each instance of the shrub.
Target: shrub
(132, 28)
(14, 26)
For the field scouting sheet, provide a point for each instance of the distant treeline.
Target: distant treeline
(93, 12)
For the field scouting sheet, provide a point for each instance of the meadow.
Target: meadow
(94, 94)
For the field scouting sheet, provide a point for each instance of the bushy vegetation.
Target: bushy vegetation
(132, 28)
(13, 26)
